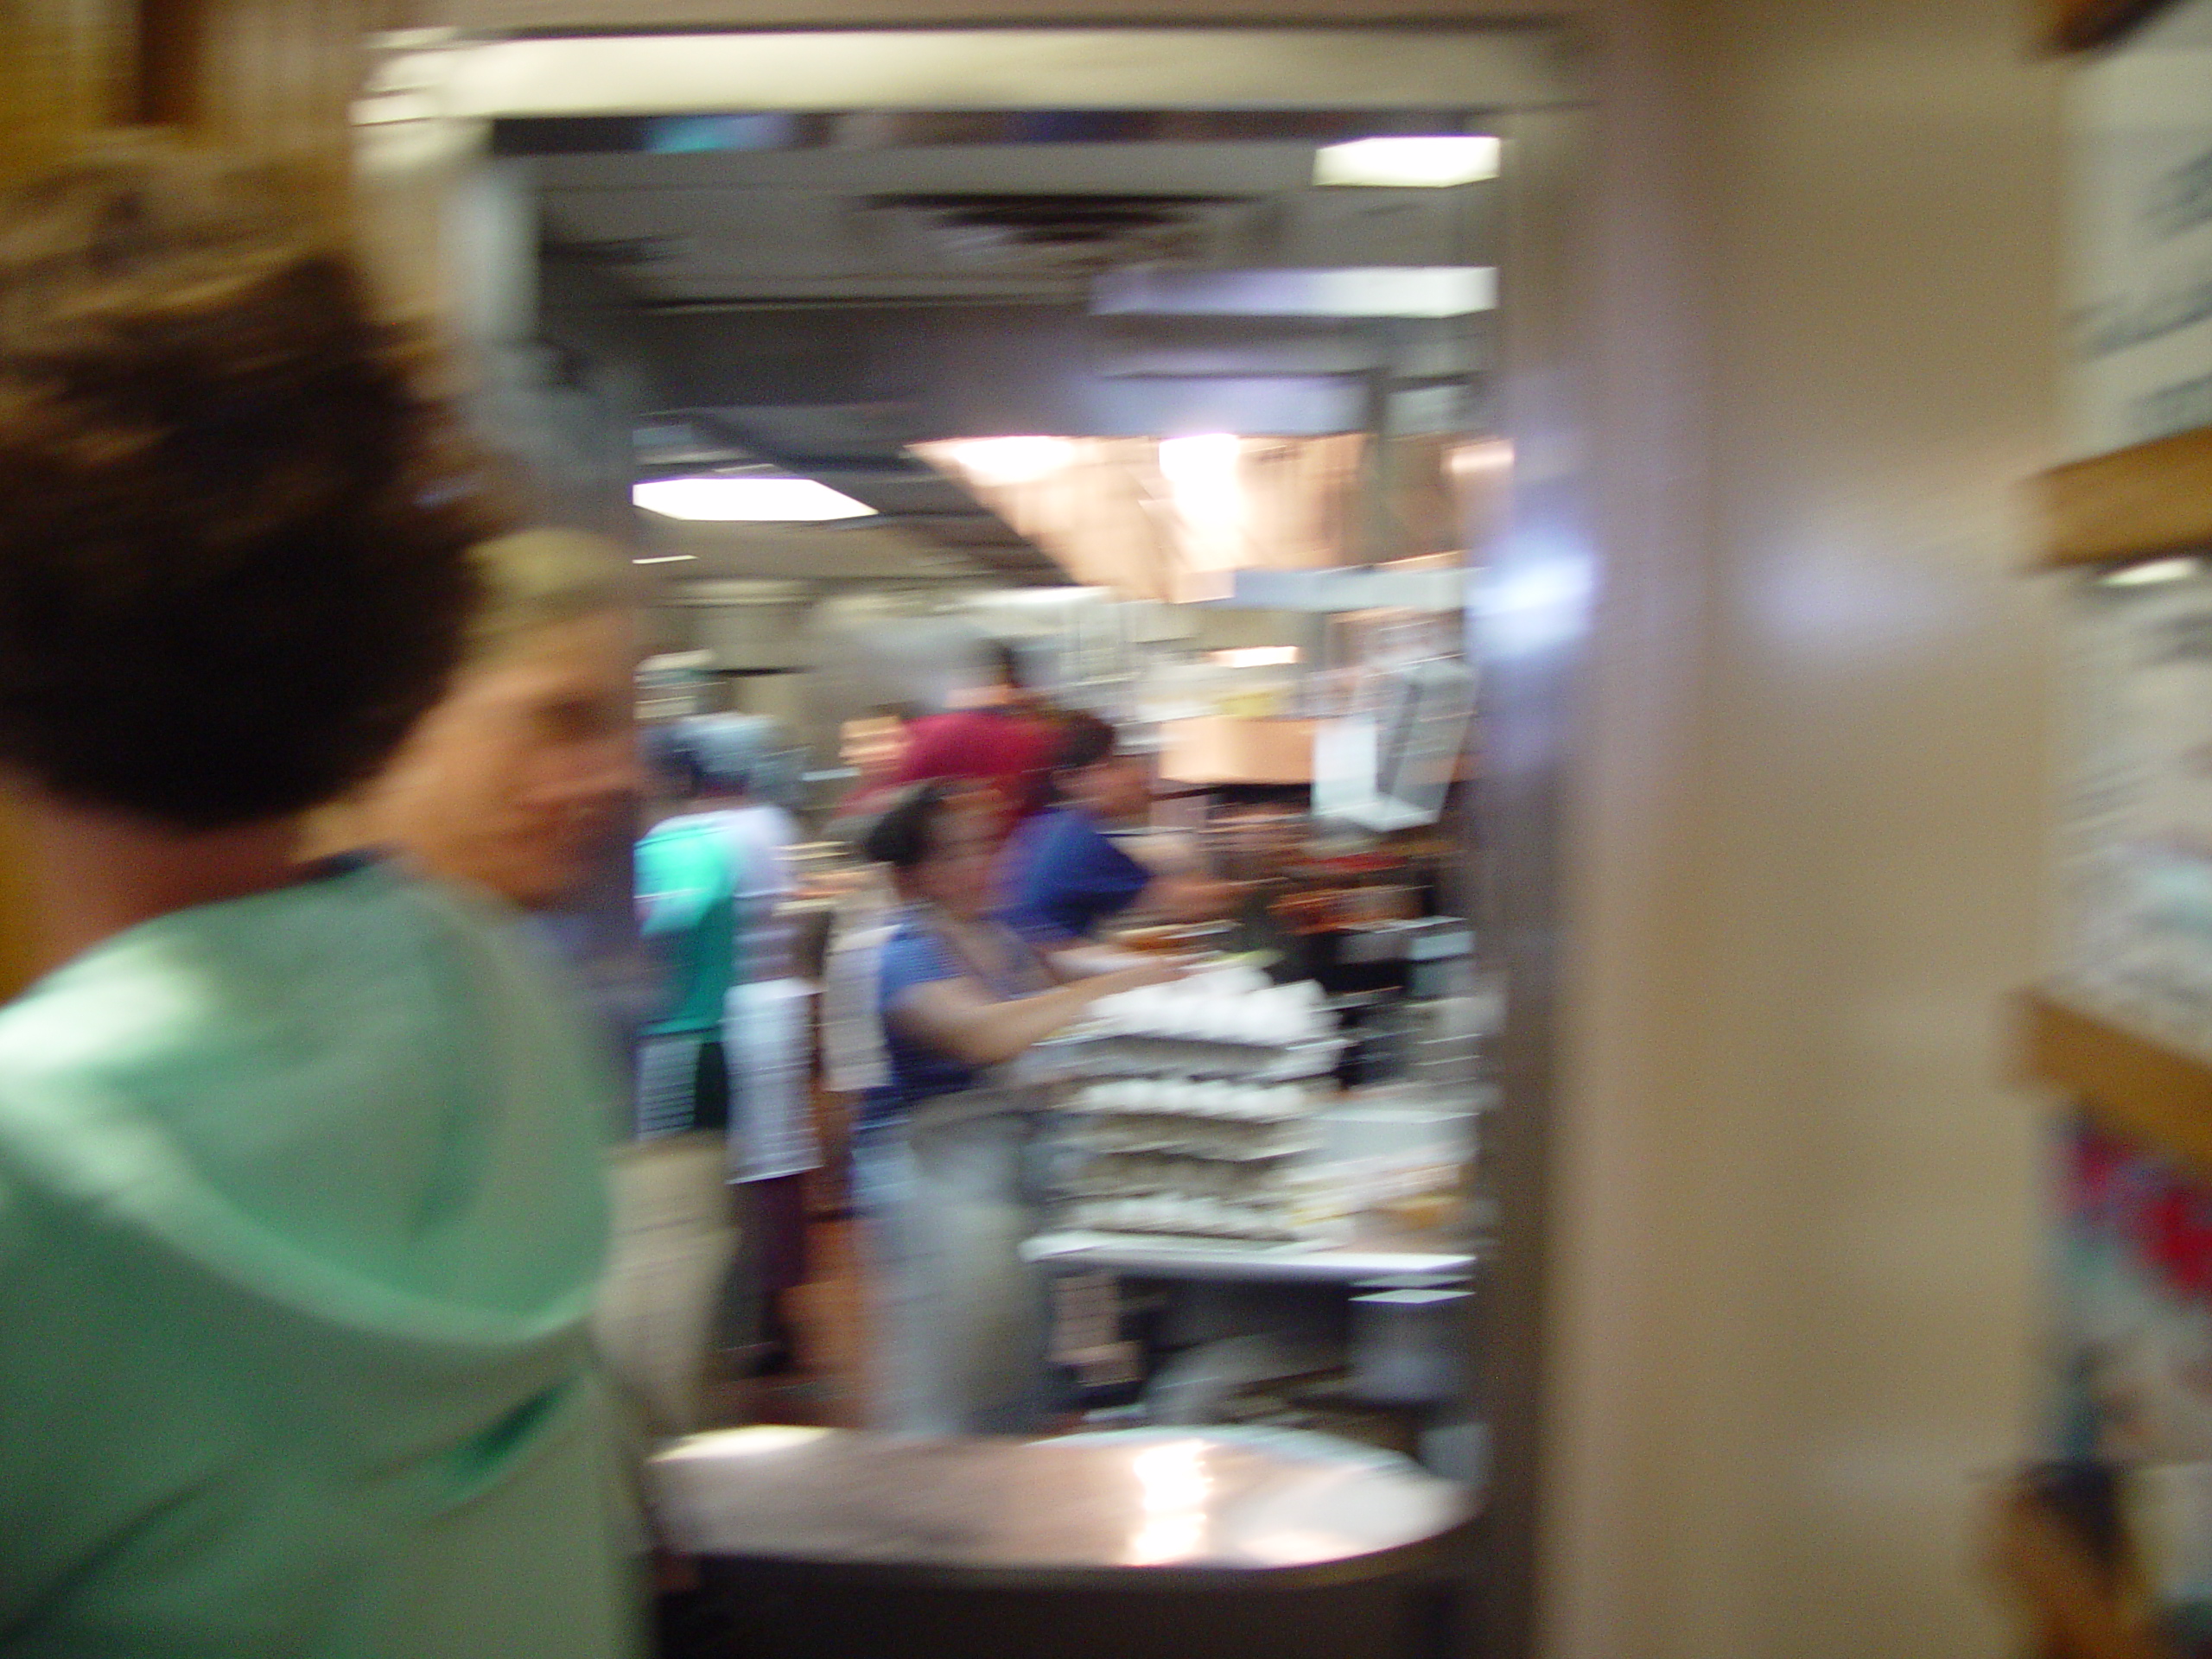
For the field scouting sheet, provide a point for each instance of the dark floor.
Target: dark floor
(826, 1385)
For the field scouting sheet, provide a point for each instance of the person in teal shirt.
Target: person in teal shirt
(688, 884)
(302, 1211)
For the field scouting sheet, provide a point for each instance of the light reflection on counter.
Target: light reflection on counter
(1172, 1487)
(1136, 1500)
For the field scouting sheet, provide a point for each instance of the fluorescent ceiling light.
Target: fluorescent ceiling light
(2142, 575)
(667, 558)
(1356, 291)
(1253, 657)
(756, 500)
(1407, 163)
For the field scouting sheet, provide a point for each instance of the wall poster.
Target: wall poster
(2141, 236)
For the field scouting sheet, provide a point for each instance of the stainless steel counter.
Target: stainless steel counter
(1153, 1508)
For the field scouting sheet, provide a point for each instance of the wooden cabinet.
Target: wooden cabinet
(2072, 25)
(2076, 1606)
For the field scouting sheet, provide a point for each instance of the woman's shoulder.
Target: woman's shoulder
(913, 953)
(221, 1077)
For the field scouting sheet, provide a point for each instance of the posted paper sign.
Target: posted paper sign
(2141, 334)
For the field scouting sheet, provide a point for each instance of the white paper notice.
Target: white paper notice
(2141, 334)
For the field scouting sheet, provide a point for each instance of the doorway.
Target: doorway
(860, 259)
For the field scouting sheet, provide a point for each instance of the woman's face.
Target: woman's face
(957, 875)
(522, 772)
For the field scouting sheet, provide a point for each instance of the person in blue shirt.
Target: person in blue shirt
(1062, 875)
(940, 1158)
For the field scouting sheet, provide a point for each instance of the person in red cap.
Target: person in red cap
(1002, 738)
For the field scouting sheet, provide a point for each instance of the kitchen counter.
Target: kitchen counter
(1156, 1508)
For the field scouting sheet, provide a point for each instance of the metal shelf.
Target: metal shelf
(1164, 1257)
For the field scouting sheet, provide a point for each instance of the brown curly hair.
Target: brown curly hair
(233, 538)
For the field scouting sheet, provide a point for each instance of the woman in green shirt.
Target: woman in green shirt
(300, 1211)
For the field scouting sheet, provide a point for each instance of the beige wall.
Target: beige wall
(1799, 1281)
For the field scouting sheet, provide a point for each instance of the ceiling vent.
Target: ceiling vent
(1069, 234)
(632, 253)
(683, 440)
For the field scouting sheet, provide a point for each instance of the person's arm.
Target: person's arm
(1074, 959)
(959, 1019)
(1189, 898)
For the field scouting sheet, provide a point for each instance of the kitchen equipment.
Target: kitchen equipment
(1409, 1346)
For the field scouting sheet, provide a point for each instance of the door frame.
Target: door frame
(422, 129)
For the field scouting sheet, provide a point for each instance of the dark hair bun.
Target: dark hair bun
(905, 833)
(1085, 740)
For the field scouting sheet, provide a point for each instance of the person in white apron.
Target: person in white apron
(942, 1160)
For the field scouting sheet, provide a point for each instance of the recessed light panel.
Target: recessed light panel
(1368, 291)
(754, 500)
(1413, 163)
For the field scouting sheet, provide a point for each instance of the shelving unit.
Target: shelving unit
(2158, 1095)
(2139, 494)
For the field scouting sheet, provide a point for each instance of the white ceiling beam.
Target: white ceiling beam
(1002, 69)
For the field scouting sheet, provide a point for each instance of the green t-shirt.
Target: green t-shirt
(301, 1216)
(688, 888)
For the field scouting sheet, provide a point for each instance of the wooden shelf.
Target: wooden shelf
(2043, 1561)
(2146, 1089)
(2076, 25)
(2139, 502)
